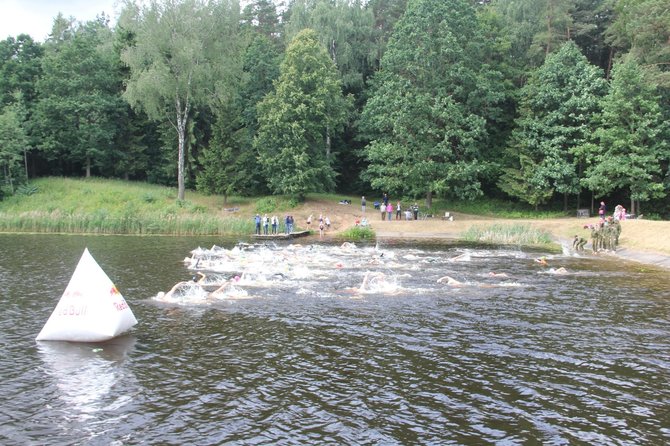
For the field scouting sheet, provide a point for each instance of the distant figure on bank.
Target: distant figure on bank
(578, 243)
(363, 204)
(257, 220)
(602, 210)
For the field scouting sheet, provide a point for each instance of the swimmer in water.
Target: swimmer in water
(461, 258)
(199, 277)
(449, 281)
(182, 290)
(559, 271)
(494, 274)
(541, 260)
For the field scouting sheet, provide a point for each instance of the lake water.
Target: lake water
(531, 358)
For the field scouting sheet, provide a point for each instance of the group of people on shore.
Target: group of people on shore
(605, 233)
(272, 225)
(324, 223)
(387, 209)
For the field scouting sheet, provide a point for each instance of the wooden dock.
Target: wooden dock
(282, 236)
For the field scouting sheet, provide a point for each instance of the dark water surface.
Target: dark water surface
(535, 358)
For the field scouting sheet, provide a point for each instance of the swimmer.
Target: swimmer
(372, 279)
(199, 279)
(494, 274)
(541, 260)
(182, 290)
(449, 281)
(559, 271)
(461, 258)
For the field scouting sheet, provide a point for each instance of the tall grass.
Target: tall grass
(514, 234)
(97, 206)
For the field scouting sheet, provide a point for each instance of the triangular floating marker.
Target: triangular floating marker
(91, 308)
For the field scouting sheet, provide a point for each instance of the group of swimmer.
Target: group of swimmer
(227, 274)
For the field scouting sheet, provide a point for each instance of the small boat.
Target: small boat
(90, 310)
(283, 236)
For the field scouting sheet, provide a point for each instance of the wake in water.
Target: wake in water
(258, 270)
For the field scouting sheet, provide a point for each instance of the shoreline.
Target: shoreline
(643, 257)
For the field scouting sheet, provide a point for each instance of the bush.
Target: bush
(27, 189)
(266, 205)
(359, 233)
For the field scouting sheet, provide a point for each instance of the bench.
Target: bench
(583, 213)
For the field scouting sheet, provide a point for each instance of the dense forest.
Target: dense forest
(547, 102)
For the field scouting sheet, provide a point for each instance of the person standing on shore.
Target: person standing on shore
(389, 210)
(257, 220)
(602, 210)
(363, 204)
(397, 211)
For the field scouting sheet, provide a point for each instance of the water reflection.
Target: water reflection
(85, 374)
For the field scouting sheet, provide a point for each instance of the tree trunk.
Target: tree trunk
(182, 120)
(579, 199)
(565, 202)
(429, 199)
(25, 162)
(88, 167)
(632, 206)
(592, 201)
(609, 64)
(328, 143)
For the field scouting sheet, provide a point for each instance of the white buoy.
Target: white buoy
(91, 308)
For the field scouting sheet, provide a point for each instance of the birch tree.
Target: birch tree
(186, 53)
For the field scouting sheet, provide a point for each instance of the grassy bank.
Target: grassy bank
(65, 205)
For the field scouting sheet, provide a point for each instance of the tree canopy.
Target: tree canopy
(514, 99)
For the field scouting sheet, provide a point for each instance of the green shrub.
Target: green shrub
(149, 198)
(27, 189)
(358, 233)
(266, 205)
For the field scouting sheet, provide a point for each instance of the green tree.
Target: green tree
(13, 143)
(296, 119)
(79, 105)
(630, 149)
(642, 29)
(557, 107)
(186, 53)
(425, 134)
(20, 68)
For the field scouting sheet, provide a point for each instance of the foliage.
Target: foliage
(79, 106)
(630, 149)
(447, 98)
(185, 53)
(557, 107)
(295, 121)
(425, 136)
(358, 233)
(13, 143)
